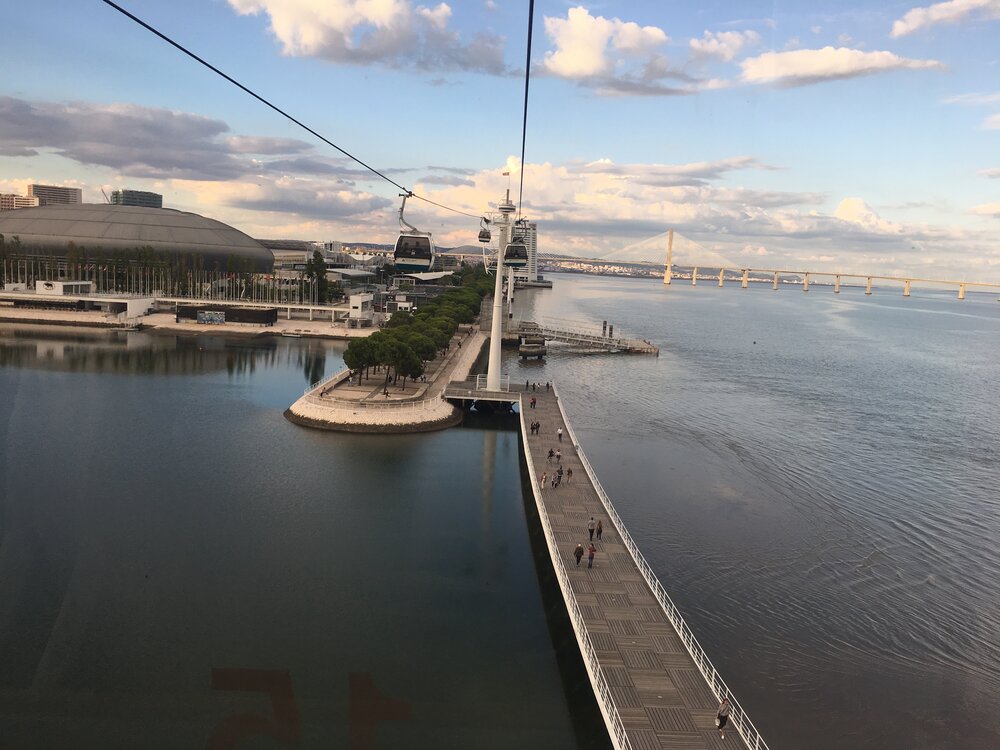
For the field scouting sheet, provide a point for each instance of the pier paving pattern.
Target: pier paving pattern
(661, 698)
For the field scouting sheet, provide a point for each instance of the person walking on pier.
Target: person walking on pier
(722, 717)
(541, 485)
(600, 530)
(569, 475)
(590, 527)
(559, 434)
(548, 459)
(591, 551)
(578, 554)
(558, 456)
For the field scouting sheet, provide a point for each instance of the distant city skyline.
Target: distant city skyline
(835, 136)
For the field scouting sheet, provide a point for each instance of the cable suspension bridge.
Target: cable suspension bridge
(685, 259)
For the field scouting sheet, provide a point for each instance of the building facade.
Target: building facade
(10, 201)
(50, 195)
(136, 198)
(529, 232)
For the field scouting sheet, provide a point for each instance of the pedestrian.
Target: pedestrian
(591, 551)
(722, 717)
(534, 387)
(578, 554)
(533, 402)
(590, 527)
(541, 485)
(546, 386)
(548, 459)
(558, 455)
(569, 475)
(559, 471)
(600, 530)
(559, 434)
(525, 385)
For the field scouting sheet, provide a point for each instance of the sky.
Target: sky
(854, 136)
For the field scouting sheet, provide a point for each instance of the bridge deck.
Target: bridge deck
(660, 695)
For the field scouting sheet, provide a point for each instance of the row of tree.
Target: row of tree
(411, 340)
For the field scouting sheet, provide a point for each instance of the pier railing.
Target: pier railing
(602, 691)
(324, 381)
(423, 404)
(720, 690)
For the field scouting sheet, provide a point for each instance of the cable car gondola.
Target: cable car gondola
(484, 233)
(516, 254)
(414, 251)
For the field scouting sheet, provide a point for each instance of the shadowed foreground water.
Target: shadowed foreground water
(814, 478)
(159, 520)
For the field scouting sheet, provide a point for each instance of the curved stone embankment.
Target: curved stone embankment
(365, 421)
(318, 410)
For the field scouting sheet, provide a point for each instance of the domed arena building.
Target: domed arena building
(84, 234)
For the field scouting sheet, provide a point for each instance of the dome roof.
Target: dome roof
(109, 227)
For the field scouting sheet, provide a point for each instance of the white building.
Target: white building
(362, 313)
(10, 201)
(531, 241)
(49, 195)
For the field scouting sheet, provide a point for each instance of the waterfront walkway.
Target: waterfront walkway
(646, 680)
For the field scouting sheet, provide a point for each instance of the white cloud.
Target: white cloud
(725, 45)
(287, 196)
(987, 209)
(582, 43)
(857, 211)
(993, 172)
(750, 250)
(394, 33)
(973, 99)
(992, 122)
(803, 67)
(952, 11)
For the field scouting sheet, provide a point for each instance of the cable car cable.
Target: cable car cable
(524, 124)
(278, 109)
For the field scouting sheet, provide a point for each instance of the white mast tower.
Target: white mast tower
(506, 208)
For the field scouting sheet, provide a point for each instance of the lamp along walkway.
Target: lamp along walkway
(653, 682)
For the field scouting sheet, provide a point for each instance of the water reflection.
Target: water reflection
(62, 349)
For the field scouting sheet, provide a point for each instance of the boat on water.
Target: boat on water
(291, 335)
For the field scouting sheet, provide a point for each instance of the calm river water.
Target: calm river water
(160, 519)
(816, 480)
(814, 477)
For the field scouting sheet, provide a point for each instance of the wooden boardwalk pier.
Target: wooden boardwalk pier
(655, 686)
(578, 335)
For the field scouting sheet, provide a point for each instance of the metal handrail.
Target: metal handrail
(602, 691)
(324, 381)
(422, 404)
(738, 717)
(591, 334)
